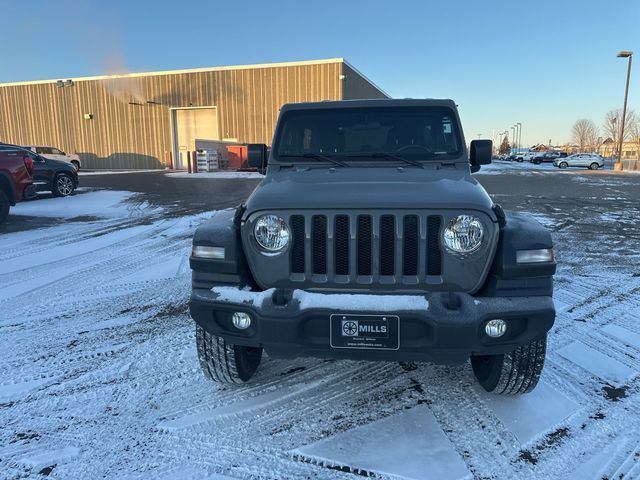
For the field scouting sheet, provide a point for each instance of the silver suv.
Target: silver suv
(369, 239)
(592, 161)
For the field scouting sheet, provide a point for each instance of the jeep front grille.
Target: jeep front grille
(384, 248)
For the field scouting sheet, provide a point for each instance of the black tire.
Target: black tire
(512, 373)
(536, 162)
(63, 185)
(4, 206)
(563, 165)
(594, 166)
(225, 363)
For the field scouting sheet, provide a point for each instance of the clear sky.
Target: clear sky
(542, 63)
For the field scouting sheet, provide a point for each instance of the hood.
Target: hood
(373, 187)
(58, 163)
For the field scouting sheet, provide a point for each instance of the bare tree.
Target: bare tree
(634, 137)
(584, 134)
(612, 124)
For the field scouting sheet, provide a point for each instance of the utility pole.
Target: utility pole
(629, 55)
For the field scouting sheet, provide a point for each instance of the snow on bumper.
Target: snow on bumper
(436, 327)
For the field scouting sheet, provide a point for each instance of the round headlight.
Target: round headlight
(271, 232)
(463, 234)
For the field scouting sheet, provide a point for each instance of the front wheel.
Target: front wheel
(225, 363)
(63, 185)
(594, 166)
(511, 373)
(563, 165)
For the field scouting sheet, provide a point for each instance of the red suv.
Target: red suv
(16, 179)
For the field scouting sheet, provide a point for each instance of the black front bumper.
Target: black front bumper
(448, 331)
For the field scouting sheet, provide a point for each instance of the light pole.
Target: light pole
(515, 138)
(629, 55)
(513, 135)
(519, 134)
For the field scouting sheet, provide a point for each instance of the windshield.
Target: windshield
(421, 133)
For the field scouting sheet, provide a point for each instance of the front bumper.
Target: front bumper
(448, 331)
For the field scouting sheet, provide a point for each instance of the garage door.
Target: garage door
(189, 124)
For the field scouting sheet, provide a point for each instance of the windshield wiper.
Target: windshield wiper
(389, 155)
(319, 156)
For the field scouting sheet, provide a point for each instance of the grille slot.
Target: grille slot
(342, 244)
(434, 254)
(319, 250)
(364, 240)
(297, 249)
(410, 245)
(387, 244)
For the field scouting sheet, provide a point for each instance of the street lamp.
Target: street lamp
(515, 138)
(513, 135)
(629, 55)
(519, 134)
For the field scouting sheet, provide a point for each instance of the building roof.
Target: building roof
(191, 70)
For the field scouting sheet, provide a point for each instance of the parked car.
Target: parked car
(549, 157)
(403, 261)
(58, 177)
(519, 157)
(592, 161)
(57, 154)
(16, 179)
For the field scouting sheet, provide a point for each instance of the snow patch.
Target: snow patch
(361, 302)
(236, 295)
(17, 390)
(530, 416)
(599, 364)
(101, 203)
(84, 173)
(626, 336)
(409, 445)
(338, 301)
(259, 402)
(215, 175)
(51, 457)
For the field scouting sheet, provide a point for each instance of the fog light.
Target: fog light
(495, 328)
(241, 320)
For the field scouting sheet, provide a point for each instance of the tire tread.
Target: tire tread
(218, 358)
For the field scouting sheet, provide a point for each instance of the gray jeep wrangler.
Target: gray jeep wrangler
(369, 239)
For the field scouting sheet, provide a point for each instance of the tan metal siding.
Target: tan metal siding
(356, 86)
(137, 136)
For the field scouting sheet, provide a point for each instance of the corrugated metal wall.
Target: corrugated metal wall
(355, 86)
(124, 135)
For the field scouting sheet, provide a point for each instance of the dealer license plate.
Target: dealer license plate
(374, 332)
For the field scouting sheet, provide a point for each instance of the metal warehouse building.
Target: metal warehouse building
(133, 120)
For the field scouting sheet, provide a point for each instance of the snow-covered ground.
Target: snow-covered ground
(216, 175)
(499, 167)
(100, 376)
(92, 173)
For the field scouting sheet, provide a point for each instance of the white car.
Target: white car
(57, 154)
(592, 161)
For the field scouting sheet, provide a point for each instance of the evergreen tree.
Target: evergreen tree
(505, 147)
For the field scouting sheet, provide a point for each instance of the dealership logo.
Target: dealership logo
(353, 328)
(349, 328)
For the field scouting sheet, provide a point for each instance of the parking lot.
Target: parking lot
(100, 375)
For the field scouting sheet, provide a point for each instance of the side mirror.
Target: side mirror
(480, 153)
(257, 155)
